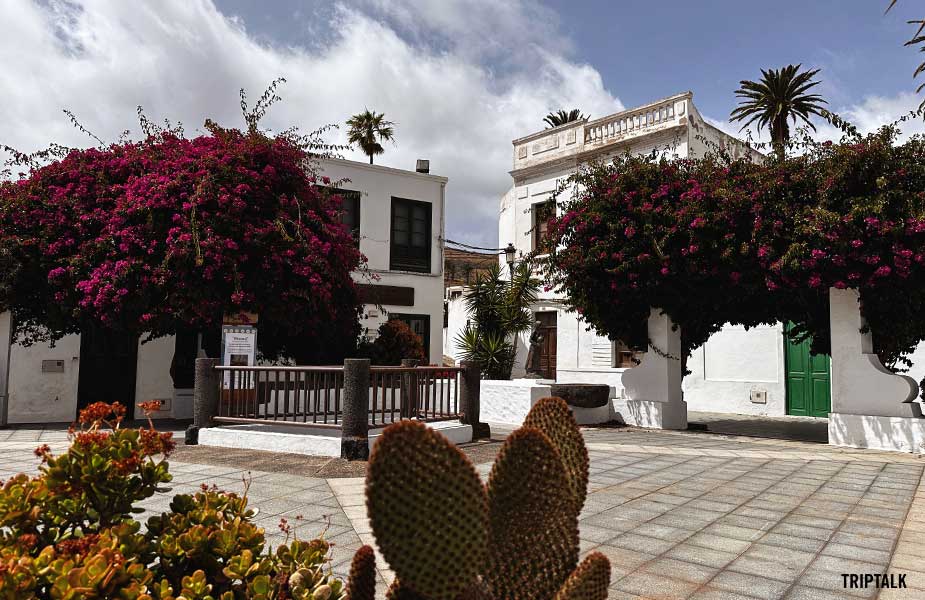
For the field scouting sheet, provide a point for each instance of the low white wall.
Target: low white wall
(897, 434)
(312, 441)
(508, 402)
(37, 397)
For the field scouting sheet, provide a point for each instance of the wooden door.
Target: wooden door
(547, 326)
(108, 361)
(808, 379)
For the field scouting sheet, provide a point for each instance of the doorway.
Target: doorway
(808, 379)
(547, 326)
(108, 362)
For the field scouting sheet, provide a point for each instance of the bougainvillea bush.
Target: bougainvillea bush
(168, 232)
(68, 533)
(714, 240)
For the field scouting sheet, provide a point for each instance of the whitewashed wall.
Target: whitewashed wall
(36, 397)
(378, 185)
(153, 381)
(734, 363)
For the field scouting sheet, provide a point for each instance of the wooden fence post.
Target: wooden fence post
(354, 441)
(409, 390)
(470, 399)
(205, 397)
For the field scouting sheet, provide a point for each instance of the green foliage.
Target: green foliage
(68, 533)
(561, 117)
(779, 97)
(500, 310)
(918, 39)
(455, 539)
(367, 130)
(396, 341)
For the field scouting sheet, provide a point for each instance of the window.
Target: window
(411, 246)
(628, 353)
(350, 203)
(542, 212)
(419, 324)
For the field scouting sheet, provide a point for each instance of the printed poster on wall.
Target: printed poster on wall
(239, 349)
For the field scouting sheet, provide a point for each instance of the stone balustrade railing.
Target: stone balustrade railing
(623, 124)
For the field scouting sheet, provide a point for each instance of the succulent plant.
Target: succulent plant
(449, 537)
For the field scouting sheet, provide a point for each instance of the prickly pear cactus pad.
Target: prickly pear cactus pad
(428, 510)
(553, 417)
(589, 581)
(362, 582)
(533, 546)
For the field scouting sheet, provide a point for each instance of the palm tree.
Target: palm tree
(561, 117)
(365, 127)
(917, 40)
(779, 97)
(500, 310)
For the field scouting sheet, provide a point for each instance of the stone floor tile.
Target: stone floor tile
(641, 543)
(662, 532)
(701, 556)
(804, 544)
(709, 593)
(646, 586)
(678, 569)
(706, 539)
(760, 587)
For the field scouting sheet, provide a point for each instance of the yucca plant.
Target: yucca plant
(500, 309)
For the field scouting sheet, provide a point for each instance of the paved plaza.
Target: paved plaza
(679, 514)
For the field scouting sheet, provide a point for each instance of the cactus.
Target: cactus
(553, 417)
(589, 581)
(362, 582)
(532, 519)
(448, 537)
(426, 505)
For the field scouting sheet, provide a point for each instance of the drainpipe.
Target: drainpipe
(6, 343)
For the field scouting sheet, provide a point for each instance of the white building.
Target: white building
(736, 371)
(399, 217)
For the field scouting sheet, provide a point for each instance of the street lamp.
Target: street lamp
(509, 253)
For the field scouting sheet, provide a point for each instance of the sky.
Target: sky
(461, 78)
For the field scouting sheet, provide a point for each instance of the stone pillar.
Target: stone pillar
(653, 388)
(205, 397)
(354, 441)
(470, 399)
(872, 407)
(409, 390)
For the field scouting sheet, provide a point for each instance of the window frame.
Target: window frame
(549, 206)
(406, 252)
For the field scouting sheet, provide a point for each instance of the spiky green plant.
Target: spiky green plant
(449, 537)
(779, 97)
(500, 309)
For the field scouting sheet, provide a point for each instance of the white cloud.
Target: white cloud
(413, 60)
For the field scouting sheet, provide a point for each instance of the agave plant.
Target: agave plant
(500, 310)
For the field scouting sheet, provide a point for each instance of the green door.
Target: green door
(807, 380)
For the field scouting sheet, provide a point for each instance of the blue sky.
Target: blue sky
(461, 78)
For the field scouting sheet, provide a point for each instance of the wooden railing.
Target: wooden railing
(313, 396)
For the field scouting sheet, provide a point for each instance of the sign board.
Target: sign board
(239, 349)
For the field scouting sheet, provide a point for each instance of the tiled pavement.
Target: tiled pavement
(681, 515)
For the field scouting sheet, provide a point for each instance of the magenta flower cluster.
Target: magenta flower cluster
(172, 232)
